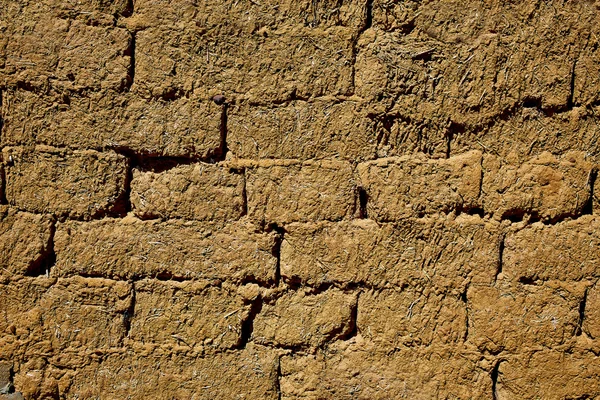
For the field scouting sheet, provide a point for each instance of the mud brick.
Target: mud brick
(190, 314)
(128, 248)
(393, 318)
(277, 66)
(194, 192)
(564, 251)
(544, 187)
(283, 192)
(443, 252)
(305, 320)
(412, 186)
(24, 241)
(549, 374)
(78, 184)
(43, 315)
(301, 130)
(85, 312)
(21, 321)
(517, 317)
(66, 54)
(350, 371)
(180, 128)
(123, 373)
(246, 17)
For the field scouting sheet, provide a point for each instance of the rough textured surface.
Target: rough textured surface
(279, 199)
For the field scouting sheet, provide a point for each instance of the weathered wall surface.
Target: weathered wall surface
(397, 200)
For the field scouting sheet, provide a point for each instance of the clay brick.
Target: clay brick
(194, 192)
(355, 371)
(66, 54)
(297, 61)
(85, 312)
(128, 248)
(444, 252)
(591, 319)
(412, 186)
(301, 130)
(47, 315)
(409, 317)
(565, 251)
(545, 187)
(24, 241)
(517, 317)
(246, 18)
(549, 374)
(79, 184)
(187, 313)
(180, 128)
(310, 191)
(303, 319)
(21, 318)
(124, 373)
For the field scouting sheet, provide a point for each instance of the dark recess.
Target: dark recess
(248, 324)
(578, 328)
(47, 258)
(494, 375)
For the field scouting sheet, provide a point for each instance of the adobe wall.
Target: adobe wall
(396, 200)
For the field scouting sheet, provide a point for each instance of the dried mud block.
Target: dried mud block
(275, 66)
(355, 371)
(24, 242)
(544, 187)
(179, 128)
(249, 373)
(194, 192)
(565, 251)
(21, 318)
(301, 130)
(246, 17)
(549, 374)
(591, 319)
(516, 317)
(440, 252)
(78, 184)
(397, 318)
(412, 186)
(66, 54)
(85, 312)
(493, 57)
(128, 248)
(282, 192)
(303, 319)
(191, 314)
(46, 316)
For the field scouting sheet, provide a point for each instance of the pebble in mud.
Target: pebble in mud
(219, 99)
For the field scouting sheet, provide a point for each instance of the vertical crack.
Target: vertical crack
(130, 312)
(278, 378)
(248, 323)
(465, 300)
(500, 257)
(582, 304)
(47, 259)
(570, 100)
(494, 375)
(130, 52)
(276, 250)
(361, 199)
(588, 207)
(368, 15)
